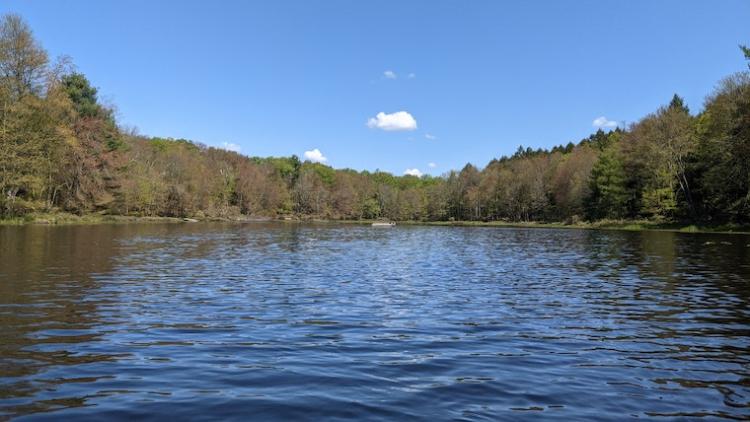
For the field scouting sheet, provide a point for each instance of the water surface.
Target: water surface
(310, 322)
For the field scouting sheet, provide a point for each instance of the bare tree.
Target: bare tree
(23, 62)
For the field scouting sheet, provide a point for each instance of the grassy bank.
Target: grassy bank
(87, 219)
(73, 219)
(626, 225)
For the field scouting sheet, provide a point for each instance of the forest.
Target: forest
(61, 150)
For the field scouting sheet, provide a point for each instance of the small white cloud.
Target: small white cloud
(412, 75)
(400, 120)
(432, 165)
(315, 156)
(413, 172)
(430, 137)
(231, 147)
(389, 74)
(603, 122)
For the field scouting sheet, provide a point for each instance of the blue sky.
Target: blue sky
(479, 78)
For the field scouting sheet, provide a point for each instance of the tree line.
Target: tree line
(62, 150)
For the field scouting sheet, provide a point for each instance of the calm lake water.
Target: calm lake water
(310, 322)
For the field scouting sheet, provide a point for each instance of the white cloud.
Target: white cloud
(412, 75)
(603, 122)
(315, 156)
(389, 74)
(432, 165)
(231, 147)
(430, 137)
(413, 172)
(400, 120)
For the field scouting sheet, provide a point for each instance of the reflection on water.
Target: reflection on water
(283, 321)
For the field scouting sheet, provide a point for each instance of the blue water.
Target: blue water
(330, 322)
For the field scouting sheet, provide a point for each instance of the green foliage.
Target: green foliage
(601, 140)
(287, 167)
(609, 193)
(370, 209)
(83, 95)
(659, 202)
(326, 173)
(678, 104)
(165, 144)
(722, 161)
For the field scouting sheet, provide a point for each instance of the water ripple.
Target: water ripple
(284, 321)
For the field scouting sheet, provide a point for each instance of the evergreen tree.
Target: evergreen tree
(609, 195)
(678, 103)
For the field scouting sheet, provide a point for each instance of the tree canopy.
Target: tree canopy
(61, 149)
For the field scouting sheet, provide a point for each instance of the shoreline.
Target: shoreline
(623, 225)
(64, 219)
(620, 225)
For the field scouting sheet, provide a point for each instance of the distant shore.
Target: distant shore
(59, 219)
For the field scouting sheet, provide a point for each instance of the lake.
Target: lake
(275, 321)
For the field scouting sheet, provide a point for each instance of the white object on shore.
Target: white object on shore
(387, 224)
